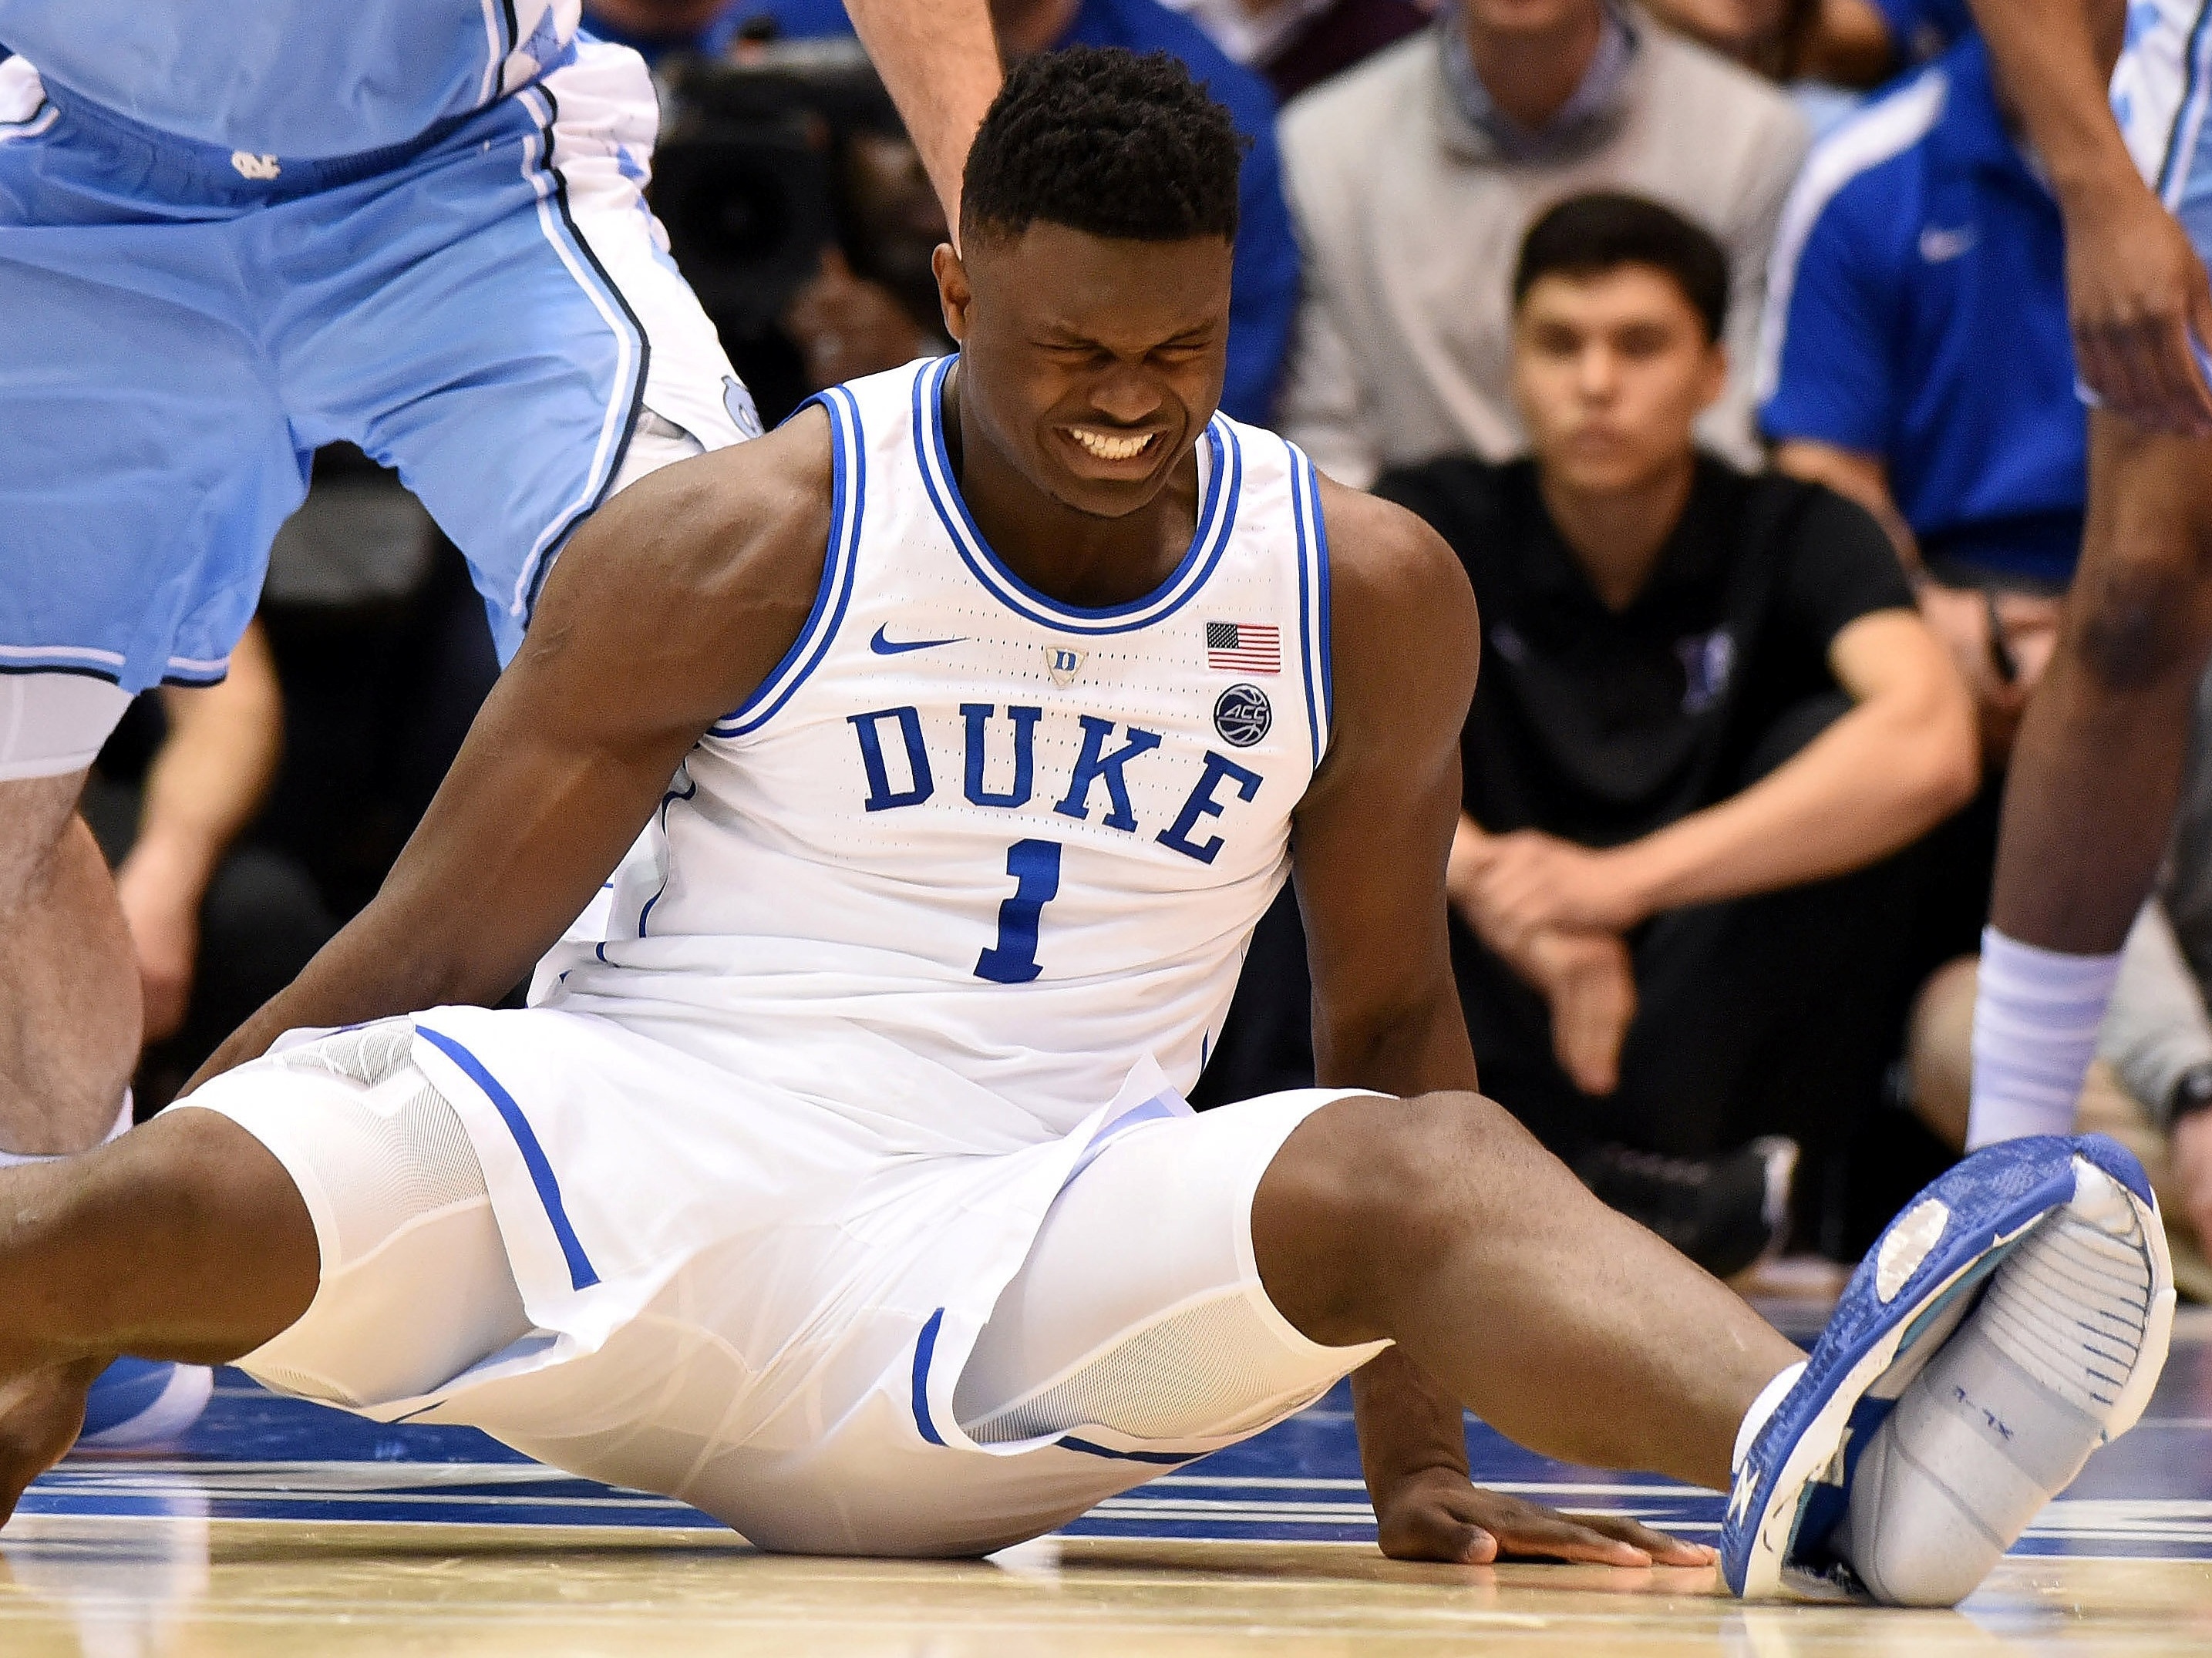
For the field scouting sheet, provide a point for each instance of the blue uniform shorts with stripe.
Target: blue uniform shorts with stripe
(2161, 97)
(491, 309)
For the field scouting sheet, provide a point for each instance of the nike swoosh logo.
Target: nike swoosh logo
(1938, 246)
(882, 646)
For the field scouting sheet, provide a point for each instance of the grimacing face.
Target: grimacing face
(1610, 372)
(1093, 363)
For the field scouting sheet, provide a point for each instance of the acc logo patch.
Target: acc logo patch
(1241, 715)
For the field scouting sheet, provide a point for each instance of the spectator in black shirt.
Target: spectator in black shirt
(1708, 718)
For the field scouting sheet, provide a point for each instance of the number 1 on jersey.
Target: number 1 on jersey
(1035, 866)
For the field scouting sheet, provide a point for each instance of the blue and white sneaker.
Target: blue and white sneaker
(139, 1403)
(2012, 1320)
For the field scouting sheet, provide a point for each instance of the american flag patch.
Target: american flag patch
(1243, 647)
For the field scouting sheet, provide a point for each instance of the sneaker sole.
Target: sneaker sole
(1764, 1569)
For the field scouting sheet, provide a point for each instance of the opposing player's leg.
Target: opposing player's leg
(69, 984)
(515, 339)
(2094, 779)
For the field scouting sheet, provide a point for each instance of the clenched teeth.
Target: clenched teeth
(1107, 447)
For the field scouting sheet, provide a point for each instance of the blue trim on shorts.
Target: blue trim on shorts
(1165, 1459)
(581, 1274)
(925, 1347)
(2192, 49)
(620, 301)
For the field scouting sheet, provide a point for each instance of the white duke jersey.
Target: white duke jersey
(1025, 839)
(284, 79)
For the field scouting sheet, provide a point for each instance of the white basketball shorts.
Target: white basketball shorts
(816, 1321)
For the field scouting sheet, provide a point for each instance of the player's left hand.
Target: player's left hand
(1438, 1514)
(1528, 880)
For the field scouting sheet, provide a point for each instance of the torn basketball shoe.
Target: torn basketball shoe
(2013, 1318)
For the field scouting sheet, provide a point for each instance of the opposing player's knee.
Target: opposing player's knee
(2144, 617)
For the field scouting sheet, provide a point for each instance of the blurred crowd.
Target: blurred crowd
(1724, 341)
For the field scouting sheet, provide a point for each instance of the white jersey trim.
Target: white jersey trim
(1216, 516)
(1313, 599)
(1881, 134)
(848, 473)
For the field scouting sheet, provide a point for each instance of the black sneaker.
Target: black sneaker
(1723, 1213)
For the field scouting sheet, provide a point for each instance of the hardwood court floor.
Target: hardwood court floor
(281, 1528)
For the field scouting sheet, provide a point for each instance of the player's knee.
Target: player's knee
(1370, 1191)
(2144, 618)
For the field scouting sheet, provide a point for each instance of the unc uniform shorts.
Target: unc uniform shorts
(490, 310)
(2162, 95)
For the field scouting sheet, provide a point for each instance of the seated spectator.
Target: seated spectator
(1708, 720)
(1414, 176)
(1916, 358)
(1263, 293)
(1297, 43)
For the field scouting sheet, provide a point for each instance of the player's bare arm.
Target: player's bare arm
(2136, 289)
(1369, 843)
(673, 603)
(940, 64)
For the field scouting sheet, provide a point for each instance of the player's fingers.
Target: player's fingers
(2123, 382)
(2184, 403)
(1558, 1537)
(1434, 1532)
(1664, 1550)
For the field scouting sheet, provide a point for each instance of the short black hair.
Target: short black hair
(1104, 142)
(1590, 235)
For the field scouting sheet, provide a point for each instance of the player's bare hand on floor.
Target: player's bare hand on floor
(1440, 1515)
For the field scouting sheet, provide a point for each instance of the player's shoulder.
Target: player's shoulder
(750, 520)
(1392, 576)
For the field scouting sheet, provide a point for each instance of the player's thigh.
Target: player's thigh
(415, 1285)
(35, 806)
(510, 333)
(1140, 1308)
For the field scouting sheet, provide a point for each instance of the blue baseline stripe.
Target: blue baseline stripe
(1165, 1459)
(1305, 603)
(581, 1274)
(1216, 516)
(849, 461)
(1320, 564)
(926, 1346)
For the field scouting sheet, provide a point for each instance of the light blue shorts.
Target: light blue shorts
(2161, 96)
(490, 310)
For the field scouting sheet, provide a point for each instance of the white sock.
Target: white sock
(16, 1159)
(1762, 1407)
(2035, 1016)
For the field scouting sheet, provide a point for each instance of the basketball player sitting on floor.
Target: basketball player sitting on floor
(846, 1192)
